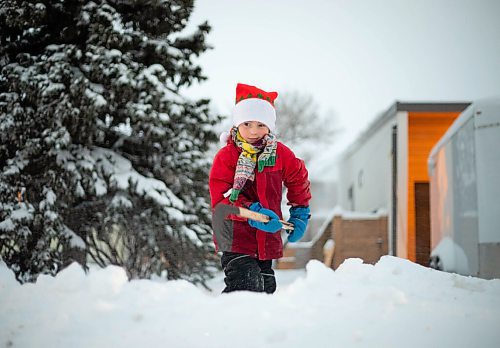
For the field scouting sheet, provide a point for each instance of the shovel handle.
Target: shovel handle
(253, 215)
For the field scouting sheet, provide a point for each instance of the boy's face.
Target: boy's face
(253, 131)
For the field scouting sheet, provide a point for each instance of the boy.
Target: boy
(249, 172)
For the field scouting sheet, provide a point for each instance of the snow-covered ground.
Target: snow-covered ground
(393, 304)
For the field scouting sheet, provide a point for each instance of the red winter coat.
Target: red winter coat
(266, 189)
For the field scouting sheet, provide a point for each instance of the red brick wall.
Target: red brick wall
(363, 238)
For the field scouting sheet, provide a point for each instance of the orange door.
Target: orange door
(424, 130)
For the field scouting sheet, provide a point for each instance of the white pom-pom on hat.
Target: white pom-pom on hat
(223, 138)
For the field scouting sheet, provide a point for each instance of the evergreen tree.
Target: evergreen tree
(101, 156)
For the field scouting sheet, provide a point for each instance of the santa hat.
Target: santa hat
(254, 104)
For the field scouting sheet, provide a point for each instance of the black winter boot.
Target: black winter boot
(268, 274)
(242, 273)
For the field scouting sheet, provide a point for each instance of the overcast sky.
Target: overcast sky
(355, 57)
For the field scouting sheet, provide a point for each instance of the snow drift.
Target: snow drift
(394, 303)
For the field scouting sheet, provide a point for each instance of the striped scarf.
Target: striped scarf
(261, 154)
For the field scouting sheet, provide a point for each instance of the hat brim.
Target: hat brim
(255, 109)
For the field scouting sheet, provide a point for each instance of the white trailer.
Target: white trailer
(464, 170)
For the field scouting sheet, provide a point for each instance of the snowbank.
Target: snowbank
(394, 303)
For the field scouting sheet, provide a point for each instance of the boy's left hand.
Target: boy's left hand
(299, 217)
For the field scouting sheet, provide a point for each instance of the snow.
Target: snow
(23, 212)
(121, 201)
(394, 303)
(330, 244)
(98, 99)
(79, 191)
(50, 199)
(191, 235)
(53, 88)
(451, 254)
(121, 174)
(74, 240)
(7, 225)
(356, 215)
(15, 168)
(119, 28)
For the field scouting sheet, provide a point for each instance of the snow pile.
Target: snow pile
(394, 303)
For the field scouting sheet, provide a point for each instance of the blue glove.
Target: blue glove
(272, 226)
(299, 217)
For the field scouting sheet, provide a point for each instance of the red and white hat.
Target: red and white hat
(254, 104)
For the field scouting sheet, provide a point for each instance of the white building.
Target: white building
(386, 169)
